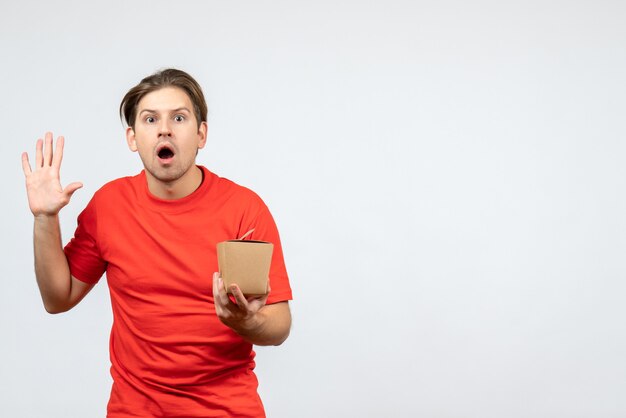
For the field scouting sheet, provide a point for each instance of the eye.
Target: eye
(150, 119)
(179, 118)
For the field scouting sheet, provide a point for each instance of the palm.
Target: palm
(46, 196)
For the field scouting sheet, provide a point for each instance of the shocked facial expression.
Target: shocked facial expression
(167, 137)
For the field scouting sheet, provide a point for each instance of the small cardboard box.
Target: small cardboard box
(246, 263)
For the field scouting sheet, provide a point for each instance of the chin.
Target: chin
(166, 175)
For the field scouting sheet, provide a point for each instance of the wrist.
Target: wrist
(45, 218)
(251, 326)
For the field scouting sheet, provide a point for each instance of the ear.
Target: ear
(130, 139)
(202, 133)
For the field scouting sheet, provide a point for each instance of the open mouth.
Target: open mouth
(165, 152)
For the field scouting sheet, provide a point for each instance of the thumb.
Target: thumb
(71, 188)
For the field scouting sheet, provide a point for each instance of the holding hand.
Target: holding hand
(240, 316)
(46, 196)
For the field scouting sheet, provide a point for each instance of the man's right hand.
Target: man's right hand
(60, 291)
(46, 196)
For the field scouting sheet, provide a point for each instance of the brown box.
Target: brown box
(246, 263)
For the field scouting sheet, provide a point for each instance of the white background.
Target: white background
(448, 178)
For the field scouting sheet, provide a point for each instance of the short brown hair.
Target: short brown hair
(169, 77)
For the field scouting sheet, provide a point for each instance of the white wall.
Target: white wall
(448, 178)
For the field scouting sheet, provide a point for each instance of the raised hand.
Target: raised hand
(46, 196)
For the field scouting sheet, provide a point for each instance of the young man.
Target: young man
(180, 347)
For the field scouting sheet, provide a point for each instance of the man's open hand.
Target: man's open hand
(46, 196)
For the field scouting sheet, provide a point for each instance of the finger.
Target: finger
(239, 297)
(71, 188)
(215, 288)
(219, 293)
(216, 304)
(58, 152)
(216, 282)
(260, 298)
(216, 277)
(47, 149)
(26, 164)
(257, 302)
(39, 154)
(228, 296)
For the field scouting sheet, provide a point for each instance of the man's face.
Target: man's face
(167, 136)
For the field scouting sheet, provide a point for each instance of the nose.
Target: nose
(164, 128)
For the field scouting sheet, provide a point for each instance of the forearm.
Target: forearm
(269, 326)
(51, 266)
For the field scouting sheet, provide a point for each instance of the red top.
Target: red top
(170, 354)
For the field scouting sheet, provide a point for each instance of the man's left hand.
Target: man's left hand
(239, 315)
(250, 317)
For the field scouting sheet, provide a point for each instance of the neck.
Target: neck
(176, 189)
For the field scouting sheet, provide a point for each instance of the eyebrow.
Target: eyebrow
(173, 110)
